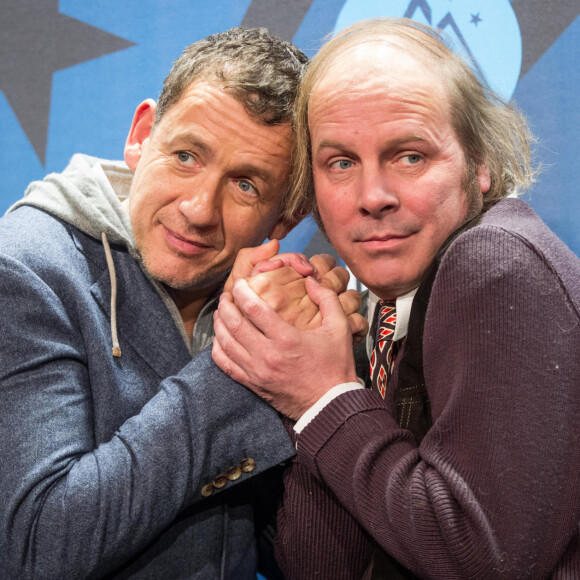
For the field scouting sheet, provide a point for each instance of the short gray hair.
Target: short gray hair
(258, 69)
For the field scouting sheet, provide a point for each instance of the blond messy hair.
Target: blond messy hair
(491, 132)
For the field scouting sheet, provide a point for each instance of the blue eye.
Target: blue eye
(413, 158)
(184, 156)
(343, 164)
(245, 185)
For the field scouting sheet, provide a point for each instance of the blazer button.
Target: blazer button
(248, 465)
(207, 490)
(233, 473)
(220, 480)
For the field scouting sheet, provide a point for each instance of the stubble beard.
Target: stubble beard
(201, 283)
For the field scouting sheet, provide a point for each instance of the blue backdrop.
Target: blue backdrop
(72, 73)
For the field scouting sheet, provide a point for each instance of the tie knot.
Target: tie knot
(388, 304)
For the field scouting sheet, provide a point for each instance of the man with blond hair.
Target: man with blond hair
(460, 460)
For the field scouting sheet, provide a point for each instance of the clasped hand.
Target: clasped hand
(285, 326)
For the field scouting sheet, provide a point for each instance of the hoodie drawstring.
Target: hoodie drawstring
(113, 278)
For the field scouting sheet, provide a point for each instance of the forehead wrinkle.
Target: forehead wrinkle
(208, 100)
(393, 100)
(383, 65)
(397, 91)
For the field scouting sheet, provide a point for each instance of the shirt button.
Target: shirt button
(248, 465)
(220, 480)
(207, 490)
(233, 473)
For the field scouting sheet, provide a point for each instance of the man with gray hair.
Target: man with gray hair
(121, 456)
(460, 460)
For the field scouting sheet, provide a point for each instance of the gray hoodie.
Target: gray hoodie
(88, 195)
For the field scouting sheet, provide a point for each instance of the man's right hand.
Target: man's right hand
(279, 279)
(268, 259)
(284, 290)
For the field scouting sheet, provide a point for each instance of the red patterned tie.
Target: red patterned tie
(383, 355)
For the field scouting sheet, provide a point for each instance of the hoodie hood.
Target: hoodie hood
(87, 195)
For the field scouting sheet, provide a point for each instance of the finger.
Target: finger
(266, 266)
(230, 321)
(327, 301)
(298, 261)
(336, 279)
(229, 325)
(359, 327)
(247, 258)
(226, 296)
(336, 330)
(350, 301)
(227, 365)
(323, 263)
(265, 281)
(256, 311)
(226, 311)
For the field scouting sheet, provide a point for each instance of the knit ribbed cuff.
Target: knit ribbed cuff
(330, 419)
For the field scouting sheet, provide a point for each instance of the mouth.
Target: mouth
(384, 242)
(186, 246)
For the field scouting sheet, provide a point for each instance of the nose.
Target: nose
(201, 205)
(376, 196)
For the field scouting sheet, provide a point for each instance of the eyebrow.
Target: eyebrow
(329, 144)
(193, 142)
(254, 171)
(407, 139)
(333, 144)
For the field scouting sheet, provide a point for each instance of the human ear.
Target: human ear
(281, 229)
(143, 121)
(483, 178)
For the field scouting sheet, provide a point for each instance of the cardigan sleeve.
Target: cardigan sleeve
(315, 536)
(492, 490)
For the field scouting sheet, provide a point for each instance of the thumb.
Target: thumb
(326, 300)
(247, 259)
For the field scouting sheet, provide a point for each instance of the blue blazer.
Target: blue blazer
(104, 459)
